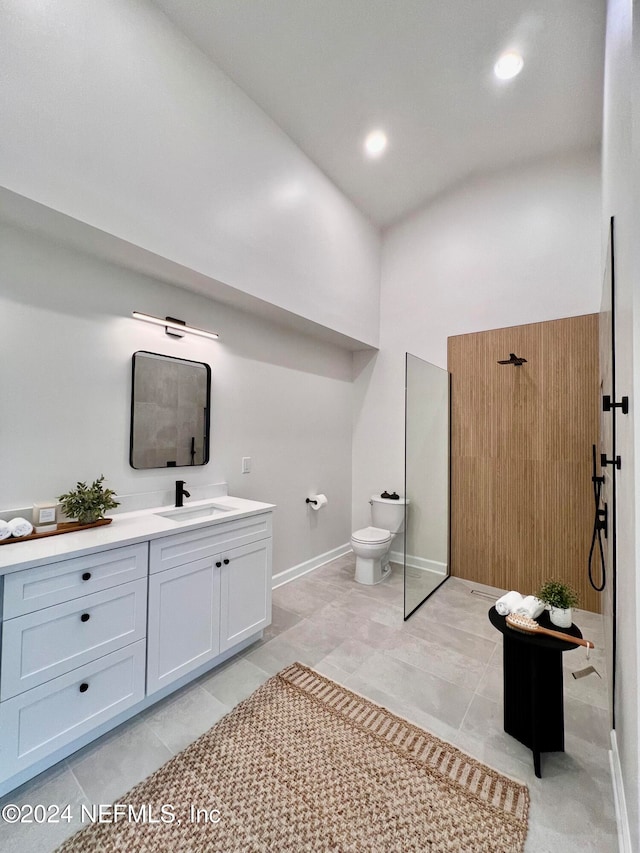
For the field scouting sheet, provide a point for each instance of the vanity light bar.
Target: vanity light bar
(170, 323)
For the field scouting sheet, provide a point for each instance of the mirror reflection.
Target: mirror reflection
(426, 549)
(170, 411)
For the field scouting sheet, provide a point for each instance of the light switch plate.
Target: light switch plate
(246, 464)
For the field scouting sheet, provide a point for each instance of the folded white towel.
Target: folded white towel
(5, 530)
(509, 602)
(531, 607)
(20, 527)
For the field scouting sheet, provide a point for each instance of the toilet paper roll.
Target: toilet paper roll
(320, 501)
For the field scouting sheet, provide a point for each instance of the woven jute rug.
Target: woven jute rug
(304, 764)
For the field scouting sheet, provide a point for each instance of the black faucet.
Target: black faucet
(181, 492)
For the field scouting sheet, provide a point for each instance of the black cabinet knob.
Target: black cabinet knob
(84, 687)
(86, 576)
(85, 617)
(218, 564)
(226, 562)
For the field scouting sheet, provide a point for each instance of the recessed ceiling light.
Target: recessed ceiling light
(509, 65)
(375, 143)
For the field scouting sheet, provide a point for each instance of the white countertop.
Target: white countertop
(125, 529)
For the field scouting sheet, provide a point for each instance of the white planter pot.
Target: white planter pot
(561, 618)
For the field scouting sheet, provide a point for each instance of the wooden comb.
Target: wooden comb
(519, 622)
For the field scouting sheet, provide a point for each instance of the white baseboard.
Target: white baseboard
(622, 818)
(309, 565)
(419, 563)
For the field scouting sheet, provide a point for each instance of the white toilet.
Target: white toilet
(371, 544)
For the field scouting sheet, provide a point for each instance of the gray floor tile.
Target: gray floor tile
(280, 652)
(347, 656)
(439, 659)
(181, 718)
(56, 787)
(112, 765)
(438, 697)
(586, 721)
(449, 636)
(281, 620)
(441, 670)
(303, 595)
(491, 684)
(234, 682)
(484, 720)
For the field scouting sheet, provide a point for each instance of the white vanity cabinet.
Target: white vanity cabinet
(73, 651)
(200, 608)
(88, 641)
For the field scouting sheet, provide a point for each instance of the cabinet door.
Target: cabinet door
(184, 628)
(245, 592)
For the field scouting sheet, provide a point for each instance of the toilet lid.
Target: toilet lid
(371, 534)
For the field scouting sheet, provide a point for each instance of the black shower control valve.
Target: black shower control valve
(602, 520)
(604, 461)
(623, 405)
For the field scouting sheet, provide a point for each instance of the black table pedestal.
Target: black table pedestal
(533, 686)
(533, 706)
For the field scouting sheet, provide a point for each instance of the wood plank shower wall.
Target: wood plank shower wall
(521, 493)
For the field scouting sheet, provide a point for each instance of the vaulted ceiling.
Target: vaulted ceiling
(329, 71)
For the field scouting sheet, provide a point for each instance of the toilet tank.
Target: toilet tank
(388, 514)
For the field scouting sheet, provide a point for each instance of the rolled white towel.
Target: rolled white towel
(531, 607)
(20, 527)
(5, 530)
(508, 603)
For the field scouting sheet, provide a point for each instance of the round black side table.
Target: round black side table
(533, 686)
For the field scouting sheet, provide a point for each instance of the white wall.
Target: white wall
(514, 247)
(110, 115)
(68, 337)
(620, 176)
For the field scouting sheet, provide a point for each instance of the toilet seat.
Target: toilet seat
(372, 536)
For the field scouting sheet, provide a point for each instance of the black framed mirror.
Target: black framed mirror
(170, 411)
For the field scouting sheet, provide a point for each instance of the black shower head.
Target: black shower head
(513, 359)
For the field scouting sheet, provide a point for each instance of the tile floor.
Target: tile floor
(442, 669)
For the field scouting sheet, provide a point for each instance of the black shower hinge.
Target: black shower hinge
(604, 461)
(607, 405)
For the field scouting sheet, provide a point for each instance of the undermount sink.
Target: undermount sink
(190, 513)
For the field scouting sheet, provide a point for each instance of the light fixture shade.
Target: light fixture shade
(508, 66)
(170, 323)
(375, 143)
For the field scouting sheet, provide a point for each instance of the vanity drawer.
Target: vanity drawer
(180, 548)
(40, 721)
(42, 645)
(54, 583)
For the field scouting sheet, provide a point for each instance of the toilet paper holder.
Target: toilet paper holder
(316, 502)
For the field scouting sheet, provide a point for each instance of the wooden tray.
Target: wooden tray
(64, 527)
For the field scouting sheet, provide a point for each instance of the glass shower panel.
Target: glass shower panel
(426, 529)
(603, 574)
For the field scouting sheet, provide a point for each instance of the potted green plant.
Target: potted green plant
(560, 599)
(88, 503)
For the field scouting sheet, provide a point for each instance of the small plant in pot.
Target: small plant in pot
(560, 599)
(88, 504)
